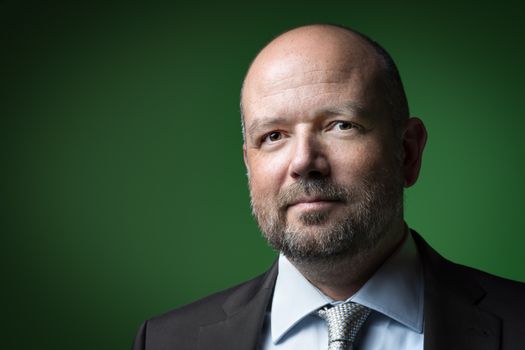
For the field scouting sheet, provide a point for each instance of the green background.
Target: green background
(123, 192)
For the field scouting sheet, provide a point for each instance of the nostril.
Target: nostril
(315, 175)
(309, 161)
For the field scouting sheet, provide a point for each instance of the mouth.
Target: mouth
(313, 203)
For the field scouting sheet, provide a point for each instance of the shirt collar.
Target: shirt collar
(395, 290)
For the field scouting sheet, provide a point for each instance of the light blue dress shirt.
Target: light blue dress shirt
(394, 293)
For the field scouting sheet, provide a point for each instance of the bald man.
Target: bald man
(329, 147)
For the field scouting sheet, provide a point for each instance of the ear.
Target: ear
(414, 140)
(245, 158)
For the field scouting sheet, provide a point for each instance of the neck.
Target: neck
(342, 276)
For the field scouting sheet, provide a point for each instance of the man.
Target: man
(329, 146)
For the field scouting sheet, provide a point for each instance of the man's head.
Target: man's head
(328, 143)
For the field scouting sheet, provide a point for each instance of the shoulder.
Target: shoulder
(210, 308)
(497, 295)
(502, 296)
(491, 282)
(180, 327)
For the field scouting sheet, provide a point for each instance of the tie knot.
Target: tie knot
(344, 321)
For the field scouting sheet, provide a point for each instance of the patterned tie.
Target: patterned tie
(344, 321)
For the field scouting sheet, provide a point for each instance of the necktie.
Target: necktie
(344, 321)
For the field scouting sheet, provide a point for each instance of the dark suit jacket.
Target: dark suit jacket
(464, 309)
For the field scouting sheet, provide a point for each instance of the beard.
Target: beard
(369, 209)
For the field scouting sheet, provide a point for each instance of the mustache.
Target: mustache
(318, 188)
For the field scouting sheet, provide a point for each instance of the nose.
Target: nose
(308, 159)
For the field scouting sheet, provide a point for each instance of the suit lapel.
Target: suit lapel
(245, 311)
(456, 324)
(453, 317)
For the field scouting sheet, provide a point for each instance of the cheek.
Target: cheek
(357, 161)
(267, 172)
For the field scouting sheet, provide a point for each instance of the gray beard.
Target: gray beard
(373, 206)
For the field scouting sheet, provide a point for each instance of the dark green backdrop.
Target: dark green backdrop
(123, 191)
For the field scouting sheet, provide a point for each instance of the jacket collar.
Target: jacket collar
(245, 310)
(453, 317)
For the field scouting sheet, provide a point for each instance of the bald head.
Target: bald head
(305, 51)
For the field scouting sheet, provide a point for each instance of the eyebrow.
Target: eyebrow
(347, 108)
(257, 124)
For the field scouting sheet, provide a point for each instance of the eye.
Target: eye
(272, 136)
(343, 125)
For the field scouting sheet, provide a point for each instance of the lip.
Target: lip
(313, 203)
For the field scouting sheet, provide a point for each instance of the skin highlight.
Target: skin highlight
(326, 166)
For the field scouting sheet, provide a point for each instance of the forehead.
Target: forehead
(305, 91)
(304, 87)
(308, 69)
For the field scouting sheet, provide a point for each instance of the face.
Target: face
(324, 164)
